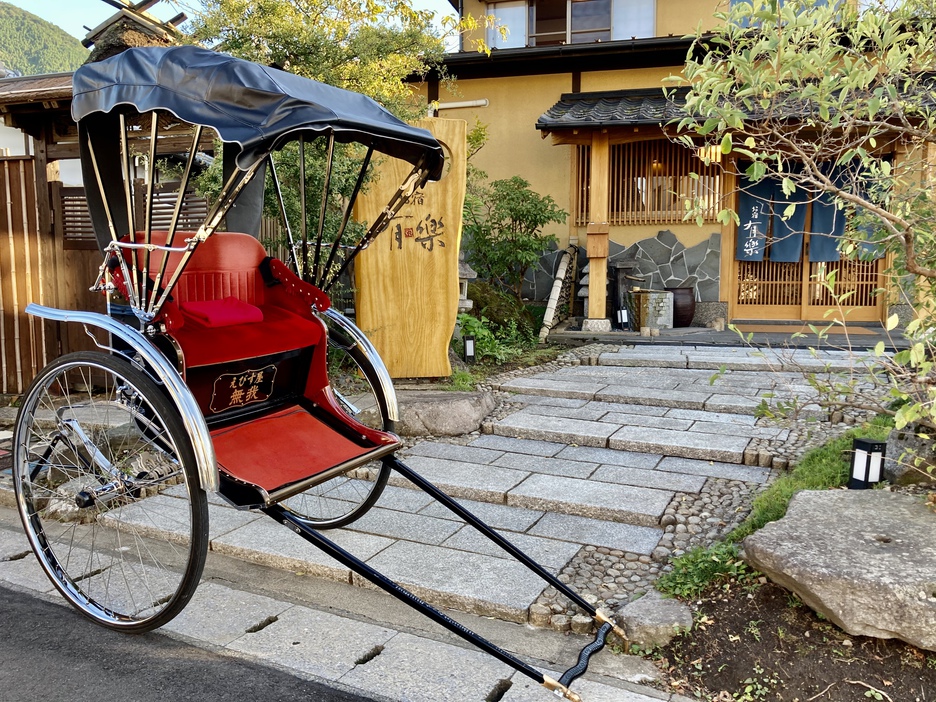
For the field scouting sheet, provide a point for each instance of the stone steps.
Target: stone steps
(672, 411)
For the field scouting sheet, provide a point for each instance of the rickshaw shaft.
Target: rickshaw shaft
(355, 564)
(487, 531)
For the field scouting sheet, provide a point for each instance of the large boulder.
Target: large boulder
(866, 559)
(442, 412)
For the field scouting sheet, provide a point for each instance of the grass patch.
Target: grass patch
(462, 381)
(821, 468)
(698, 569)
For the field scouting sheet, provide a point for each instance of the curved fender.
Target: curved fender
(192, 417)
(383, 375)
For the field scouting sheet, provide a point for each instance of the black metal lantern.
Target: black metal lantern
(469, 349)
(867, 463)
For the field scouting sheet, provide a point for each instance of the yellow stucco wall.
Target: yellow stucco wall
(680, 17)
(514, 146)
(598, 81)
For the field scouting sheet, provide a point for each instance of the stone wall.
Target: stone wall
(666, 263)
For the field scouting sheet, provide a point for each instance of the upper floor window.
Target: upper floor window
(554, 22)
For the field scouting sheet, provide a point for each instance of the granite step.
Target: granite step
(695, 438)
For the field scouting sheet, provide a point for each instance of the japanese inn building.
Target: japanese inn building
(573, 103)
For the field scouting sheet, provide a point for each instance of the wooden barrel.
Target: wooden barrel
(683, 306)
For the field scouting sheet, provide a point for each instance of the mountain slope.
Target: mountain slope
(31, 45)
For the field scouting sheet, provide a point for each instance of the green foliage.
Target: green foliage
(499, 307)
(503, 223)
(857, 80)
(795, 87)
(33, 46)
(367, 47)
(696, 570)
(492, 343)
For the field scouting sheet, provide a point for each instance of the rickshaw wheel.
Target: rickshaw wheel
(339, 501)
(107, 488)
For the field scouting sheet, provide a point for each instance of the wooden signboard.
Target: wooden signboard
(407, 279)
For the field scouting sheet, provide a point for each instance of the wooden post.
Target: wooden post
(597, 234)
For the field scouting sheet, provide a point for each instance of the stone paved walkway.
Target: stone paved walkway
(601, 472)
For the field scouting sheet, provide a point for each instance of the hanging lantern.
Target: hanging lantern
(867, 462)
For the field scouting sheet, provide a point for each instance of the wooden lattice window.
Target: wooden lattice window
(651, 182)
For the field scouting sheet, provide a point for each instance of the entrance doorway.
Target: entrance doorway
(772, 290)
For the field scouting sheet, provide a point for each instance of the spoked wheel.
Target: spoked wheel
(339, 501)
(107, 489)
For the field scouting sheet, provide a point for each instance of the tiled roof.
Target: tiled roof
(610, 109)
(26, 89)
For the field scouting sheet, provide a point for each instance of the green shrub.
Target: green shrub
(503, 223)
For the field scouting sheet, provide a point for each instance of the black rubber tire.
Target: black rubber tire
(130, 563)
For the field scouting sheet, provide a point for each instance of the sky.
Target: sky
(74, 15)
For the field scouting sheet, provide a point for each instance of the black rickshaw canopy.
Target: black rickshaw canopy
(257, 107)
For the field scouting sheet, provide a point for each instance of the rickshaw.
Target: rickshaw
(210, 368)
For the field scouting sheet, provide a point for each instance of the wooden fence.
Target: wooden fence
(27, 275)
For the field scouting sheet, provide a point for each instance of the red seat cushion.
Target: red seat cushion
(280, 331)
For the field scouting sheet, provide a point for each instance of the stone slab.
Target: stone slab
(162, 516)
(471, 480)
(454, 452)
(404, 499)
(625, 475)
(589, 498)
(554, 388)
(549, 552)
(220, 614)
(549, 466)
(469, 582)
(497, 516)
(596, 532)
(732, 404)
(659, 361)
(266, 542)
(714, 469)
(525, 690)
(420, 670)
(515, 445)
(26, 573)
(404, 525)
(13, 544)
(628, 408)
(313, 642)
(675, 443)
(650, 396)
(570, 431)
(639, 420)
(863, 558)
(591, 454)
(548, 401)
(590, 413)
(610, 376)
(704, 416)
(731, 429)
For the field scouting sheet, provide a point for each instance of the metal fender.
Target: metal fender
(377, 364)
(178, 391)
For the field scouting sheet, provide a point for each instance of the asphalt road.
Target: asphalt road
(51, 653)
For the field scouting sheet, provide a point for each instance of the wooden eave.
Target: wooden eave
(653, 52)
